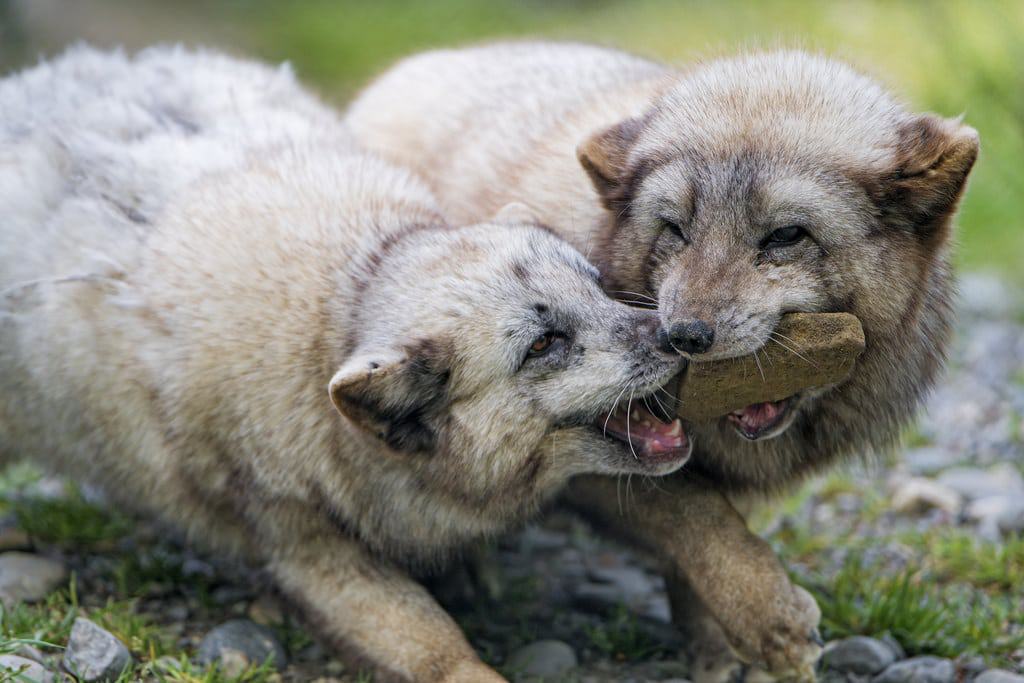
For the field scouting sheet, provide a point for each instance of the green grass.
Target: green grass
(70, 520)
(925, 615)
(619, 637)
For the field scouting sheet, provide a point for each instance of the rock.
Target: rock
(997, 515)
(814, 350)
(973, 483)
(266, 610)
(12, 536)
(929, 460)
(917, 495)
(895, 646)
(858, 655)
(239, 644)
(919, 670)
(630, 581)
(26, 577)
(542, 658)
(94, 654)
(999, 676)
(23, 670)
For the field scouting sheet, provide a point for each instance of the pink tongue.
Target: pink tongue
(647, 434)
(758, 415)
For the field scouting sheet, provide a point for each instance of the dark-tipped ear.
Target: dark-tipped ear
(934, 158)
(396, 395)
(605, 156)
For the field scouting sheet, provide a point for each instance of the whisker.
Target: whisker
(629, 439)
(642, 296)
(757, 359)
(791, 349)
(615, 404)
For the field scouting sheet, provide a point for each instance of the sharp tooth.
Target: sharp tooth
(635, 415)
(676, 429)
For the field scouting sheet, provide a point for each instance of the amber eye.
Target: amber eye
(541, 344)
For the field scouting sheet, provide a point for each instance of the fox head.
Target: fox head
(783, 182)
(489, 362)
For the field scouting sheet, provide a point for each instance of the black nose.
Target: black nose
(691, 336)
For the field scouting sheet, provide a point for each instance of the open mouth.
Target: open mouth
(650, 439)
(762, 420)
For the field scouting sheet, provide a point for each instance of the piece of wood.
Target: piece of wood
(808, 350)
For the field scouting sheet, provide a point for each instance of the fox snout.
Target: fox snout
(692, 336)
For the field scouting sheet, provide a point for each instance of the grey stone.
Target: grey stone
(26, 670)
(918, 494)
(25, 577)
(973, 483)
(919, 670)
(858, 655)
(94, 654)
(1002, 514)
(632, 582)
(929, 460)
(895, 646)
(999, 676)
(543, 658)
(239, 644)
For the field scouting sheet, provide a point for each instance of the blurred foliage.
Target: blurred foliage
(953, 57)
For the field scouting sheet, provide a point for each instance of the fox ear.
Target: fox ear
(394, 395)
(934, 158)
(516, 213)
(605, 155)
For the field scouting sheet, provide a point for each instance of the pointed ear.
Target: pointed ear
(396, 395)
(516, 213)
(605, 155)
(934, 158)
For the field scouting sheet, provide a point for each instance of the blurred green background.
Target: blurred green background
(953, 58)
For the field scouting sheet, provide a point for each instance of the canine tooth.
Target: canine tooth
(677, 428)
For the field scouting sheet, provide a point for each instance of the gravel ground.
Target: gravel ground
(557, 600)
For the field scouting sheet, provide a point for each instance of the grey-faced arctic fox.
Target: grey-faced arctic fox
(196, 262)
(727, 193)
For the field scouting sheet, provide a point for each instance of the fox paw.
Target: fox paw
(784, 639)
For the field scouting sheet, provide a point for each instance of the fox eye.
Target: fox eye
(674, 228)
(544, 344)
(784, 237)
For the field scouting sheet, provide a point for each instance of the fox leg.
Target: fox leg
(730, 574)
(376, 614)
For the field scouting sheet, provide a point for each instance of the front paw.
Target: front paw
(782, 635)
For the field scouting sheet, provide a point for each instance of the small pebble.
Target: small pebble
(26, 577)
(94, 654)
(919, 670)
(266, 610)
(543, 658)
(240, 644)
(858, 655)
(917, 495)
(973, 483)
(999, 676)
(21, 670)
